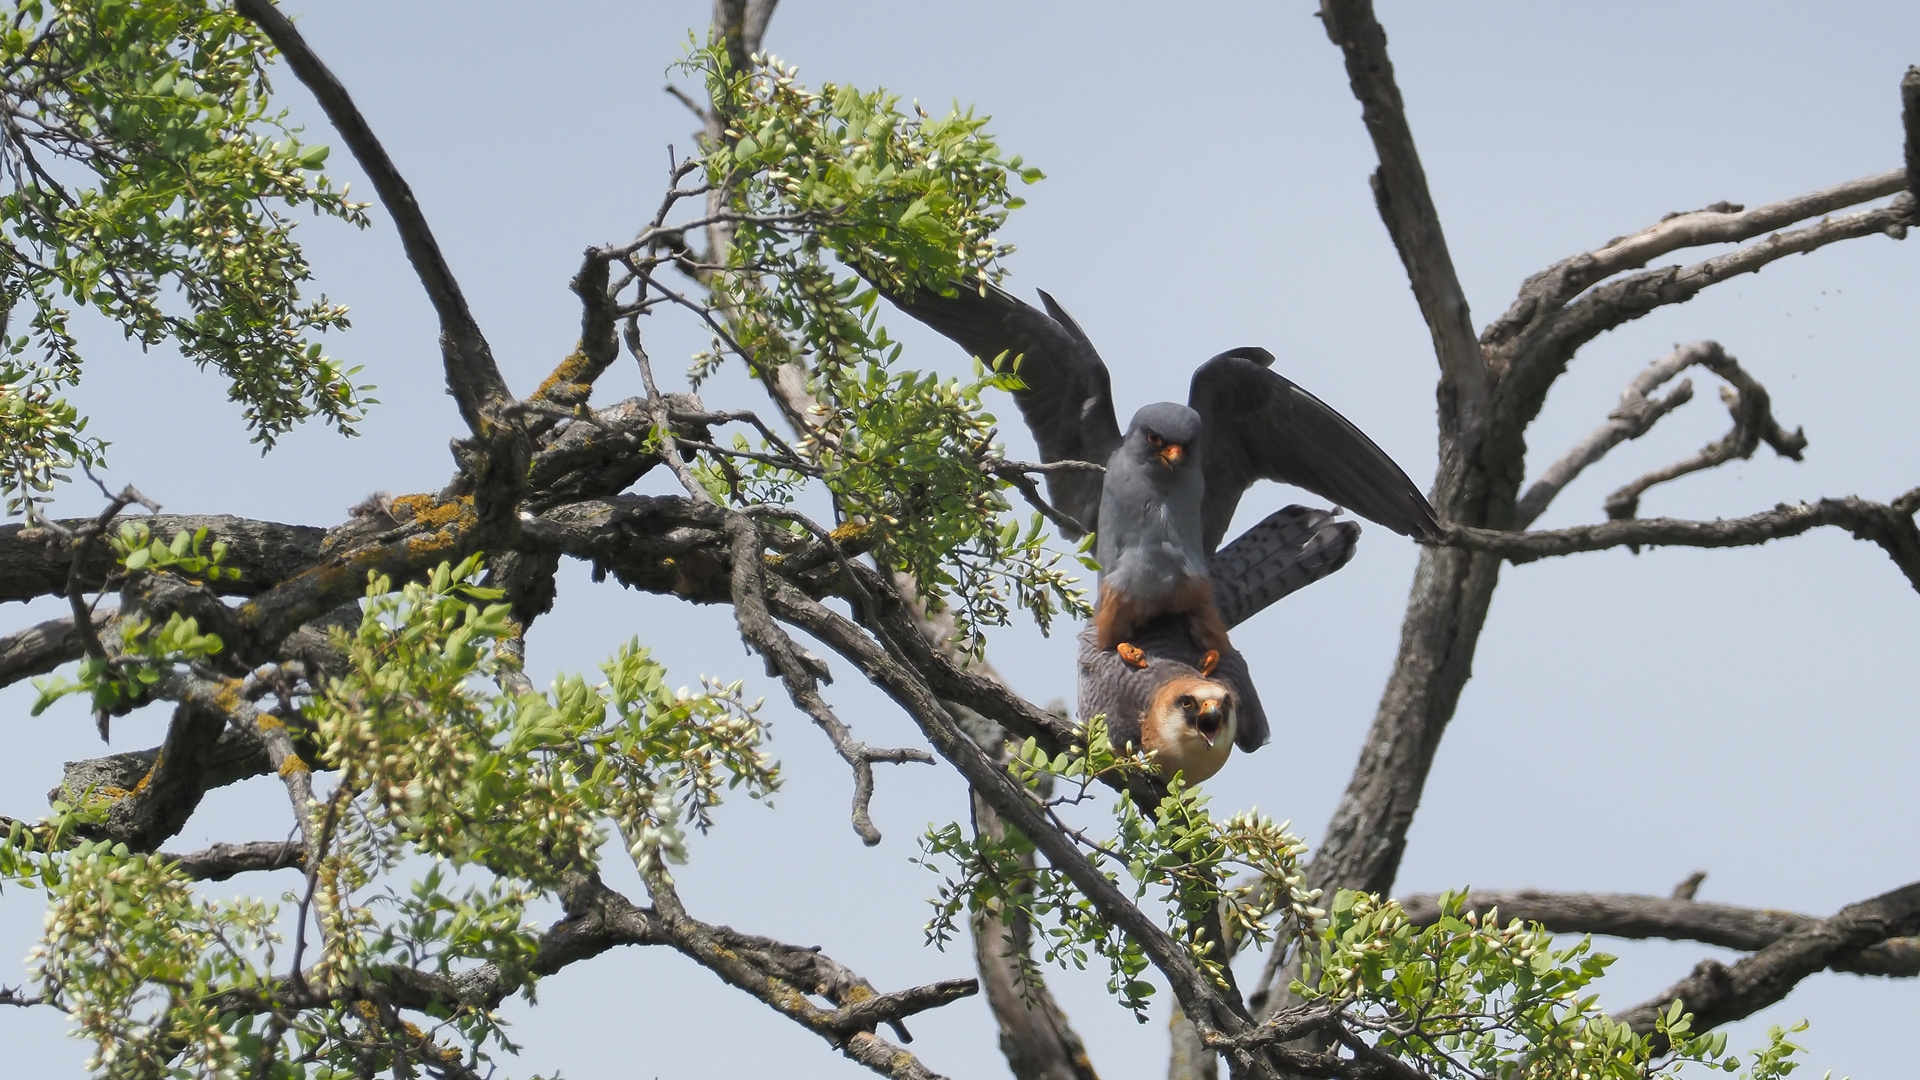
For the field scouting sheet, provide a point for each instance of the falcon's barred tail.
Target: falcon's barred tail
(1293, 547)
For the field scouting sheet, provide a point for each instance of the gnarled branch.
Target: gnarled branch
(1406, 206)
(1753, 423)
(472, 377)
(1675, 919)
(1717, 994)
(1634, 417)
(1889, 525)
(39, 649)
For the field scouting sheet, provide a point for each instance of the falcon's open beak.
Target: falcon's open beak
(1212, 721)
(1171, 454)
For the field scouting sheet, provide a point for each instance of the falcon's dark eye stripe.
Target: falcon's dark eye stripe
(1187, 703)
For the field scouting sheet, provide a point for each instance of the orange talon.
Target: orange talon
(1131, 654)
(1209, 661)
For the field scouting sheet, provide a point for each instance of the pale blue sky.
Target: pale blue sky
(1631, 719)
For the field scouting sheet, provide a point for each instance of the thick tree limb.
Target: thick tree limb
(472, 377)
(39, 649)
(1406, 206)
(1639, 917)
(265, 552)
(571, 383)
(234, 756)
(1717, 994)
(1890, 526)
(222, 861)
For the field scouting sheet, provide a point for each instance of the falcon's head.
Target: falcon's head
(1189, 727)
(1166, 435)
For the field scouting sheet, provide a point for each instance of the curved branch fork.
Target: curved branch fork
(1636, 414)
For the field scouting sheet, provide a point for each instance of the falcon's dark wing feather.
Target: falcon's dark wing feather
(1256, 425)
(1068, 401)
(1290, 549)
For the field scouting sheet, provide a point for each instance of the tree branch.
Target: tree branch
(224, 699)
(1675, 919)
(1617, 302)
(1717, 994)
(39, 649)
(472, 377)
(1406, 206)
(1725, 223)
(1890, 526)
(1753, 423)
(1635, 416)
(222, 861)
(264, 552)
(1211, 1011)
(1910, 121)
(783, 976)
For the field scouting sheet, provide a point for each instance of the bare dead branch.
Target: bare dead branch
(1717, 994)
(1406, 206)
(222, 861)
(1910, 121)
(1634, 417)
(1620, 301)
(1727, 224)
(1889, 525)
(765, 969)
(864, 1014)
(1544, 294)
(1018, 473)
(571, 383)
(1753, 423)
(1679, 918)
(472, 377)
(39, 649)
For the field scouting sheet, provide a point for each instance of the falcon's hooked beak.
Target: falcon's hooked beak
(1210, 720)
(1169, 453)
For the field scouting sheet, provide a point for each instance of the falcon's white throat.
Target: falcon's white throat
(1190, 727)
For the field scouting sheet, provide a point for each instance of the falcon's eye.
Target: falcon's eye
(1154, 440)
(1186, 703)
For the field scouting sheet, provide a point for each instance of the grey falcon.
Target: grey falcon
(1174, 479)
(1160, 704)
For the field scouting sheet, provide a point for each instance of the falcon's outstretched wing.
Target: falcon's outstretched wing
(1068, 400)
(1256, 425)
(1290, 549)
